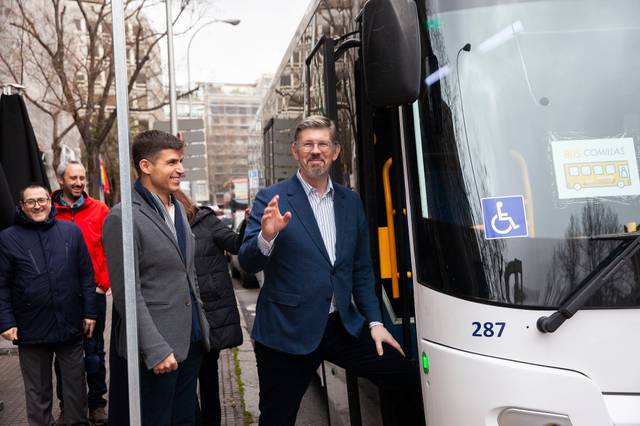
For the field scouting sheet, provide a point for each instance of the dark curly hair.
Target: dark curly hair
(148, 144)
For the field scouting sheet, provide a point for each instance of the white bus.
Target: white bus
(517, 295)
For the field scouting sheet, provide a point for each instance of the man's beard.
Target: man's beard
(316, 171)
(73, 196)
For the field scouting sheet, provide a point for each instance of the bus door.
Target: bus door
(371, 164)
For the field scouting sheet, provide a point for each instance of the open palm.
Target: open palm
(272, 220)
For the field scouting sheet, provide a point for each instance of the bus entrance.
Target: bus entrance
(503, 193)
(510, 182)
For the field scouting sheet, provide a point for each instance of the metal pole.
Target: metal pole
(172, 78)
(189, 74)
(122, 105)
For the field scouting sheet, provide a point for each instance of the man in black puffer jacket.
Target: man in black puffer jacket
(216, 290)
(47, 303)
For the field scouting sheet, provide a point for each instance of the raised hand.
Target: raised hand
(272, 221)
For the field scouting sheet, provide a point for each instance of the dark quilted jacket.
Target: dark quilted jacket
(212, 238)
(46, 281)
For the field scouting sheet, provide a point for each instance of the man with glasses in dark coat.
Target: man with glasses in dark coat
(47, 303)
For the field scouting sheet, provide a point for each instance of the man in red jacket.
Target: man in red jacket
(75, 205)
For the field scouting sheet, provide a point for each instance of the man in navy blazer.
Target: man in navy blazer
(310, 237)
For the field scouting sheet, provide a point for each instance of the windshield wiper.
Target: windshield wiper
(594, 281)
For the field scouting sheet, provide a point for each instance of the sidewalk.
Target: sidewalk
(246, 363)
(238, 383)
(12, 389)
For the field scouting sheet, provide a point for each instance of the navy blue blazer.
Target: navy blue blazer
(299, 280)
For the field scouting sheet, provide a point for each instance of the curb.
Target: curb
(248, 375)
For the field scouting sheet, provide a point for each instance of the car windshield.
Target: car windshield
(527, 146)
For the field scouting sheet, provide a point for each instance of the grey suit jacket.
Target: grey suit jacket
(162, 284)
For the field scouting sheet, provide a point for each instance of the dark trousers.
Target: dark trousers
(35, 364)
(118, 386)
(284, 378)
(166, 399)
(210, 413)
(93, 360)
(170, 399)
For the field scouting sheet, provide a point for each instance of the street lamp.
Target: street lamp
(224, 21)
(173, 113)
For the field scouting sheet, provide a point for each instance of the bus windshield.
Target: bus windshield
(527, 140)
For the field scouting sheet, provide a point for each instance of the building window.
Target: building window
(285, 80)
(81, 78)
(141, 80)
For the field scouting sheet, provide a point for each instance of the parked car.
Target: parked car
(248, 280)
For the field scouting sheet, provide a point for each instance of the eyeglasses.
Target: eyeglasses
(31, 202)
(308, 146)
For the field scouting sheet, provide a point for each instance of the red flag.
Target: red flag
(104, 179)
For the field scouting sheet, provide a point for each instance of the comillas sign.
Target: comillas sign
(595, 168)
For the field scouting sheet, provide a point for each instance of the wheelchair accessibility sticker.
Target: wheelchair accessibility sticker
(504, 217)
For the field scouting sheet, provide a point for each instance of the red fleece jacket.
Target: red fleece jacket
(89, 218)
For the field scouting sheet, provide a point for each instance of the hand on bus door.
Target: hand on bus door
(272, 221)
(380, 335)
(10, 334)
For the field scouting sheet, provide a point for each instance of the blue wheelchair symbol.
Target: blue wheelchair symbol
(504, 217)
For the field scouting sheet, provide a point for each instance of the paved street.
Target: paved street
(233, 409)
(237, 409)
(312, 409)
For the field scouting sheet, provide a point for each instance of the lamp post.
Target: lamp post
(224, 21)
(122, 102)
(173, 113)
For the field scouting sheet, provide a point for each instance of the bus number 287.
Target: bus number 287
(488, 329)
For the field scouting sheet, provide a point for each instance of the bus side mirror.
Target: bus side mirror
(391, 52)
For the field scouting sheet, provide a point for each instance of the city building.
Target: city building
(298, 90)
(230, 112)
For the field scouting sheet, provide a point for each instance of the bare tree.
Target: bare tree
(66, 46)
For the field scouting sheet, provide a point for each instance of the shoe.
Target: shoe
(98, 416)
(60, 419)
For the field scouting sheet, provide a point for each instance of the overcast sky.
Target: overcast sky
(235, 54)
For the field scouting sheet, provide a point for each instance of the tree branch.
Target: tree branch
(163, 104)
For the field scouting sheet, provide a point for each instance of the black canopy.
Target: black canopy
(20, 159)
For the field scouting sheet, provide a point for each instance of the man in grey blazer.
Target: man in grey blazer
(172, 329)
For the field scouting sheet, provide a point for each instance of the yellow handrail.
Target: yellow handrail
(528, 193)
(388, 203)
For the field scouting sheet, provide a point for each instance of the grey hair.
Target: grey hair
(62, 167)
(316, 122)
